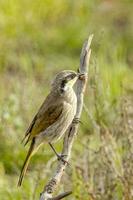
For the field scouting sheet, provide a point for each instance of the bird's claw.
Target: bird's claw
(75, 120)
(61, 158)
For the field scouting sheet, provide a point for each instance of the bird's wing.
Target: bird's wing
(44, 118)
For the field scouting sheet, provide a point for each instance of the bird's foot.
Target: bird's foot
(76, 120)
(61, 158)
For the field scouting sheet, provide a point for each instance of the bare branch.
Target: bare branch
(61, 196)
(72, 130)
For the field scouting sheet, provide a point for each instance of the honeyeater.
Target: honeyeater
(54, 116)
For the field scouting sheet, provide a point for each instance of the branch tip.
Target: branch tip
(61, 196)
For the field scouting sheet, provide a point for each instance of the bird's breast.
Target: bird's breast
(56, 130)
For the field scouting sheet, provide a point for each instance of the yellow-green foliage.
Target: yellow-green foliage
(38, 38)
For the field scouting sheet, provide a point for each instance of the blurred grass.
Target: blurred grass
(40, 38)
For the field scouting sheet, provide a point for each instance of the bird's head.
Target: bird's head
(64, 80)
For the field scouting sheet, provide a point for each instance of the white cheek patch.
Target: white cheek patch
(65, 87)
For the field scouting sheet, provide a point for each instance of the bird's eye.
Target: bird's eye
(73, 76)
(70, 77)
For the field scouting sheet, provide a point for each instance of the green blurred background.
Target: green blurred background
(38, 38)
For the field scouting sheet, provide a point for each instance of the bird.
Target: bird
(53, 118)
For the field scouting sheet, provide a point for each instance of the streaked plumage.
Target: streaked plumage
(54, 116)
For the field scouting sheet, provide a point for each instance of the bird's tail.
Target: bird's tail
(26, 162)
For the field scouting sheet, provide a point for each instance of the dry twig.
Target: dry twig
(72, 130)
